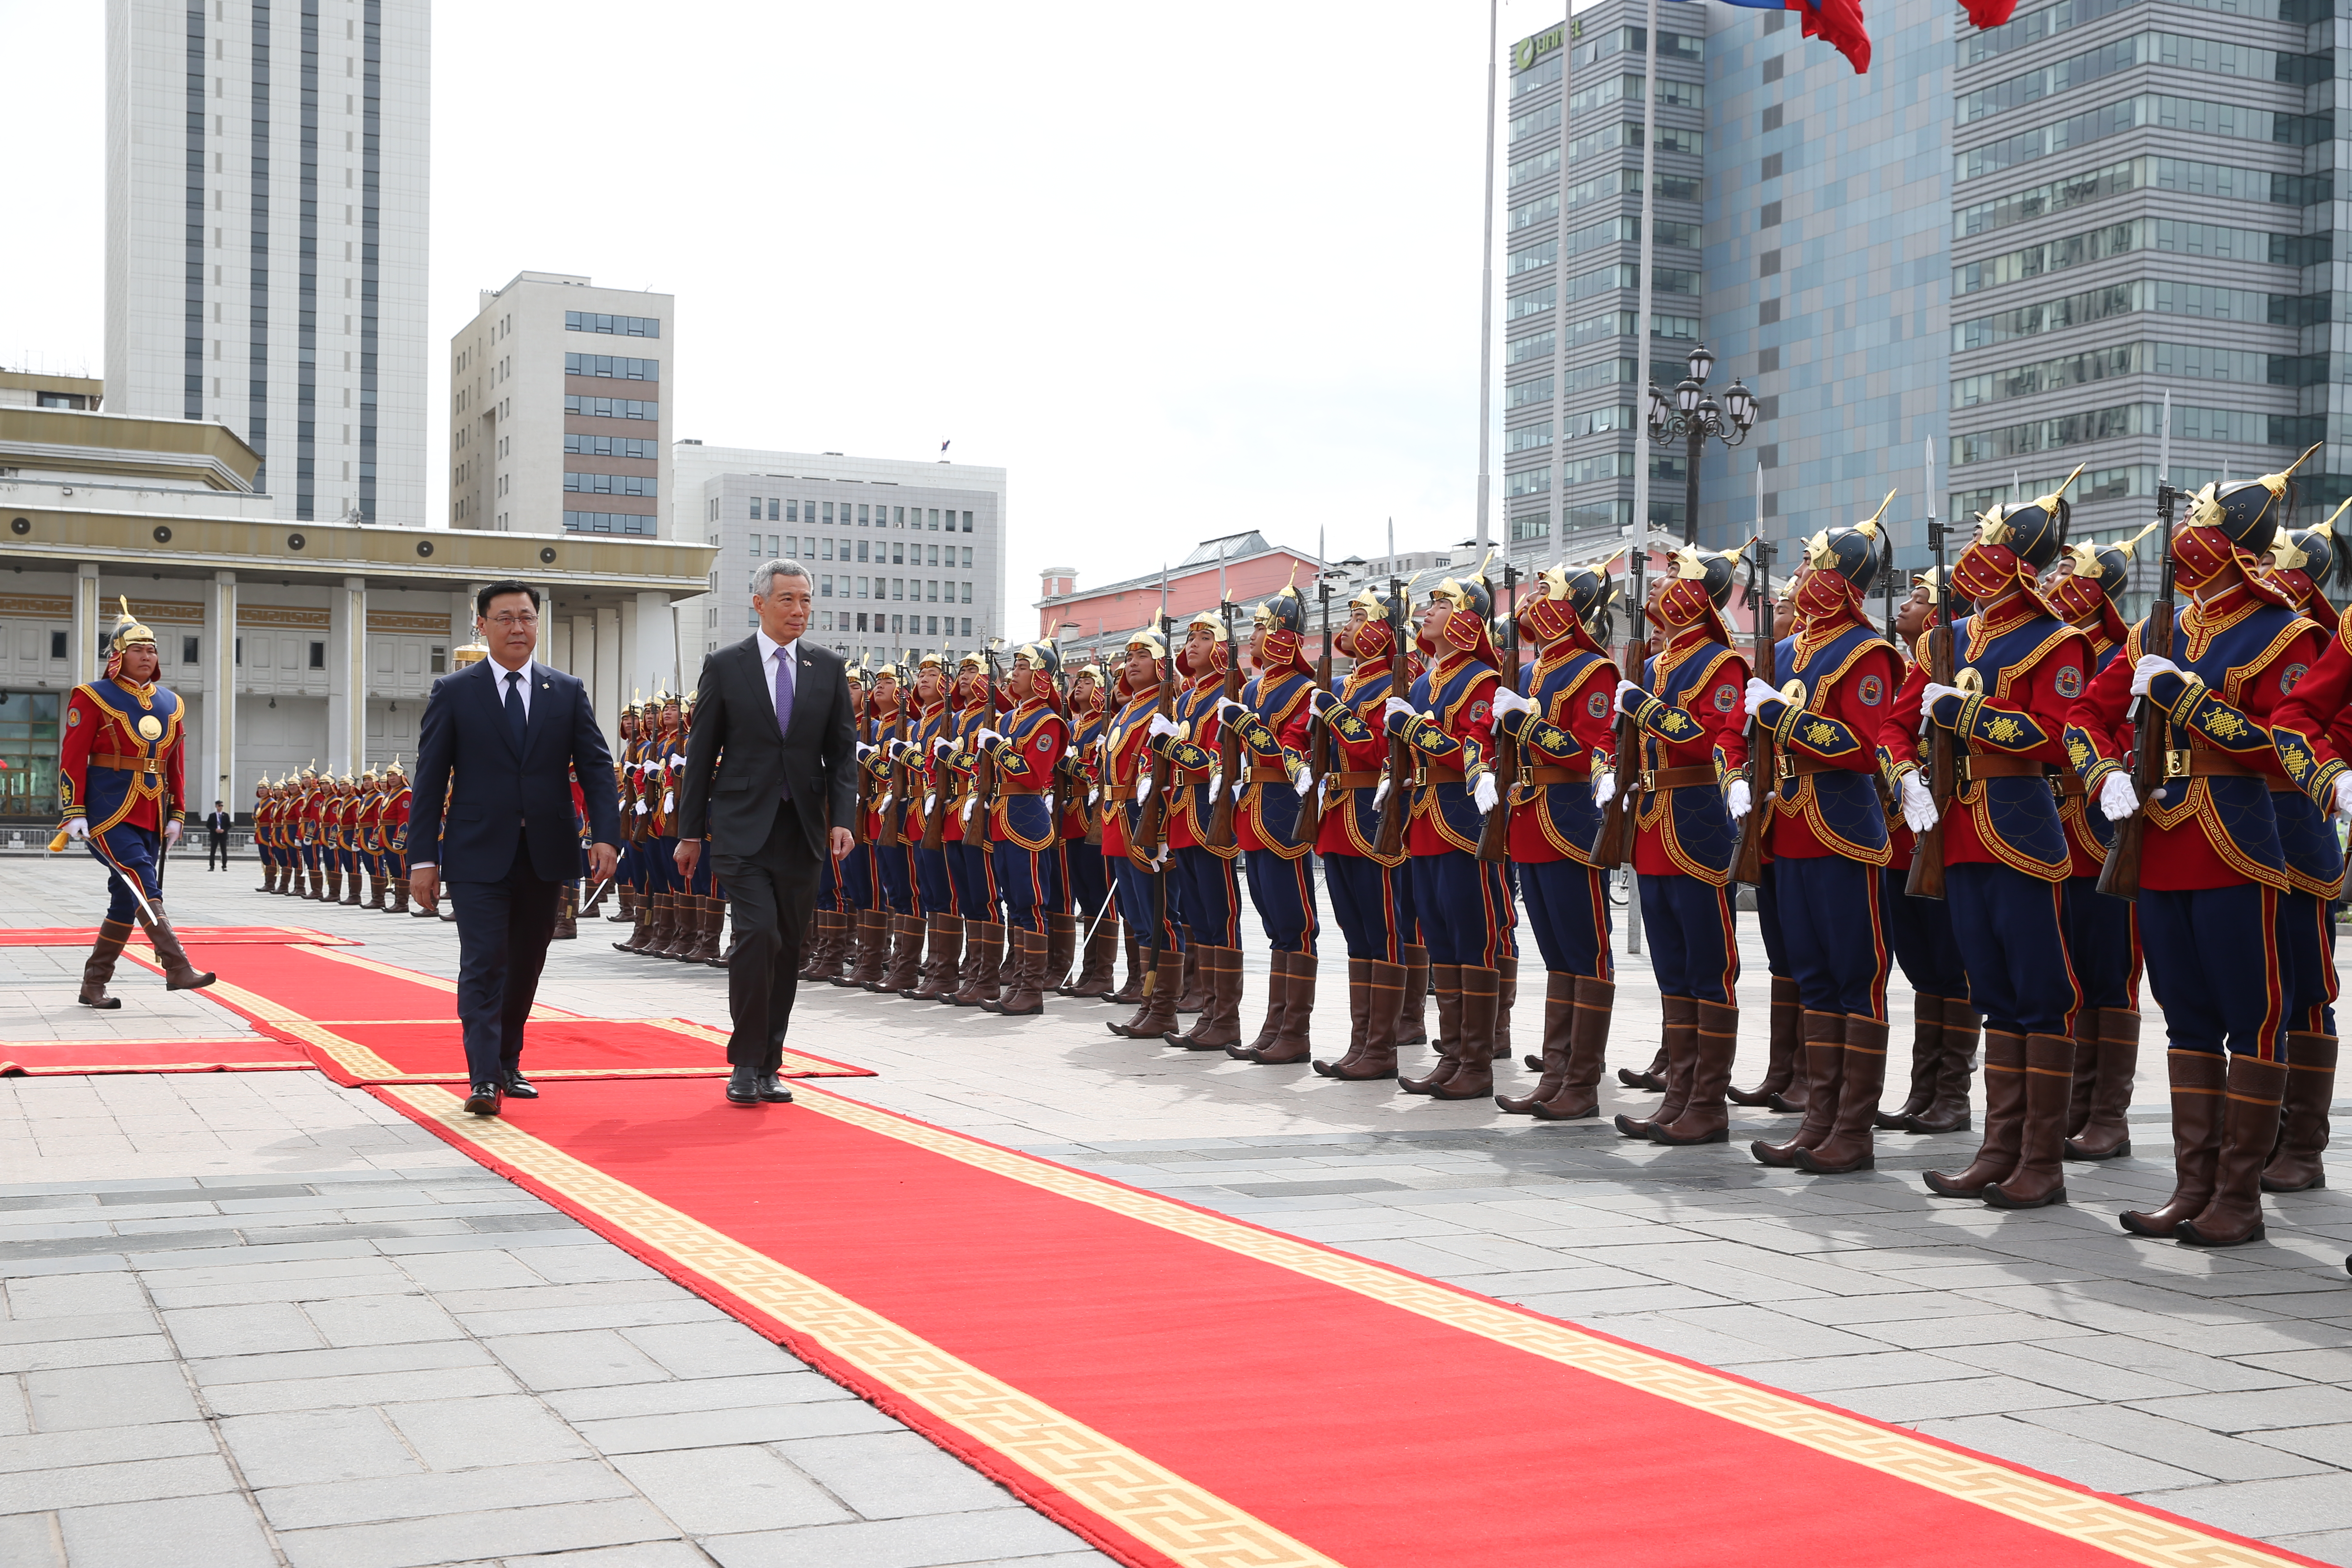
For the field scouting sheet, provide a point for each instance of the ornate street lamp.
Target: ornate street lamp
(1690, 416)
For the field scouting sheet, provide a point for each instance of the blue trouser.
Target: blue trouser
(503, 930)
(1202, 898)
(2308, 961)
(2011, 932)
(857, 880)
(933, 886)
(1829, 914)
(2213, 964)
(975, 889)
(1465, 911)
(828, 885)
(1920, 933)
(1364, 901)
(1030, 882)
(1134, 885)
(2104, 946)
(896, 876)
(133, 849)
(661, 866)
(1767, 926)
(1567, 905)
(1283, 893)
(1086, 882)
(1693, 948)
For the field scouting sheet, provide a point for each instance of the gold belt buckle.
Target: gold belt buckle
(1785, 765)
(2176, 764)
(1647, 779)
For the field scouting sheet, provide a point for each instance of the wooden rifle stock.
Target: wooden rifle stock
(1398, 803)
(1612, 847)
(1150, 832)
(2151, 729)
(1319, 739)
(1229, 749)
(984, 772)
(1926, 878)
(1763, 757)
(890, 838)
(1495, 833)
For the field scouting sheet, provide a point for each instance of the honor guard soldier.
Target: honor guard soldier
(120, 772)
(2313, 725)
(311, 819)
(371, 835)
(894, 867)
(636, 817)
(1372, 894)
(264, 809)
(2017, 669)
(1085, 876)
(396, 794)
(914, 770)
(1563, 729)
(703, 916)
(2101, 938)
(969, 867)
(629, 875)
(1204, 893)
(1686, 801)
(1463, 903)
(1827, 838)
(2212, 867)
(1141, 874)
(1025, 756)
(1271, 719)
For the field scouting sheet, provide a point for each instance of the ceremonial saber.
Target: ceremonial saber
(599, 892)
(98, 844)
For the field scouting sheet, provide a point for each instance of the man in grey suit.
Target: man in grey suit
(773, 720)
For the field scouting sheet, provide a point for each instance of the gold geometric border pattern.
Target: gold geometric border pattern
(2129, 1534)
(1145, 1499)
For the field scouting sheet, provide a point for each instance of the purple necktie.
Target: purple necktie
(784, 698)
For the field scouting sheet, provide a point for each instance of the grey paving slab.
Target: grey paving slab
(475, 1490)
(219, 1531)
(890, 1474)
(729, 1490)
(898, 1543)
(468, 1537)
(103, 1446)
(301, 1447)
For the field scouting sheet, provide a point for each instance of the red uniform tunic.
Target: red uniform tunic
(101, 731)
(1699, 721)
(1360, 750)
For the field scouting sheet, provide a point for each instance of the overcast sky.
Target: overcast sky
(1181, 270)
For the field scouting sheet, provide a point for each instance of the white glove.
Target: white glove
(171, 833)
(670, 801)
(1604, 787)
(984, 737)
(883, 803)
(643, 808)
(1216, 781)
(1094, 797)
(1303, 784)
(1322, 702)
(2150, 667)
(941, 743)
(1485, 793)
(1396, 707)
(1142, 786)
(1163, 725)
(1509, 701)
(2116, 798)
(1737, 800)
(864, 750)
(930, 803)
(1934, 692)
(1239, 785)
(1228, 708)
(1918, 806)
(78, 829)
(677, 761)
(1759, 693)
(1379, 795)
(2344, 795)
(966, 818)
(1632, 689)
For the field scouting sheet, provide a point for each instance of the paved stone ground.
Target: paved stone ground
(219, 1362)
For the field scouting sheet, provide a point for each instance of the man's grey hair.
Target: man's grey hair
(772, 570)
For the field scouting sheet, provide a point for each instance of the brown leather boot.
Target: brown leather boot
(1588, 1048)
(1559, 1012)
(375, 891)
(567, 913)
(1156, 1016)
(1508, 992)
(1927, 1056)
(1131, 994)
(1277, 996)
(686, 926)
(268, 877)
(1061, 948)
(1384, 988)
(1412, 1024)
(906, 965)
(179, 974)
(334, 892)
(721, 950)
(624, 905)
(2199, 1080)
(1293, 1043)
(1024, 994)
(399, 905)
(944, 945)
(636, 941)
(704, 945)
(2004, 1120)
(99, 967)
(873, 950)
(2105, 1130)
(2086, 1069)
(1360, 1014)
(1652, 1078)
(1784, 1060)
(985, 948)
(1824, 1070)
(1097, 969)
(1195, 996)
(351, 898)
(1705, 1118)
(2295, 1164)
(1474, 1056)
(1448, 978)
(2040, 1176)
(1218, 1026)
(1955, 1071)
(1861, 1077)
(1678, 1036)
(820, 939)
(2250, 1128)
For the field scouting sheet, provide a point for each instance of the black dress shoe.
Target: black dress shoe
(772, 1090)
(521, 1086)
(744, 1087)
(484, 1101)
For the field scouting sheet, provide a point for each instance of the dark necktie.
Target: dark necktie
(514, 708)
(784, 684)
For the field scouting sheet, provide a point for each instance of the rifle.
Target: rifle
(1763, 763)
(2151, 729)
(1229, 742)
(1612, 847)
(984, 772)
(1399, 804)
(891, 837)
(1494, 833)
(1926, 878)
(1154, 815)
(1318, 739)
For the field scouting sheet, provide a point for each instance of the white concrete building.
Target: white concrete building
(906, 555)
(556, 409)
(265, 238)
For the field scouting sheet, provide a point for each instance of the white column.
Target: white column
(656, 640)
(545, 652)
(558, 646)
(347, 677)
(87, 623)
(461, 622)
(611, 684)
(217, 756)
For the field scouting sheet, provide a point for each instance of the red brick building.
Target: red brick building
(1101, 619)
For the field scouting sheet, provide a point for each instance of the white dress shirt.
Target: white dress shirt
(499, 688)
(770, 650)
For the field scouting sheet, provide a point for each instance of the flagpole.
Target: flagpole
(1559, 295)
(1642, 311)
(1487, 288)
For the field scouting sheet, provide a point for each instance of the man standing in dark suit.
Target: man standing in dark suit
(514, 731)
(216, 827)
(778, 712)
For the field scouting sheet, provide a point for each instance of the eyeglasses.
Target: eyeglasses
(525, 619)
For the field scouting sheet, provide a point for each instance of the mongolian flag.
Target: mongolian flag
(1838, 23)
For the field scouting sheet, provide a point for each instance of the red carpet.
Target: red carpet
(61, 1059)
(1182, 1388)
(83, 936)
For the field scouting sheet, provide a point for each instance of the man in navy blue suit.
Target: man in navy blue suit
(513, 731)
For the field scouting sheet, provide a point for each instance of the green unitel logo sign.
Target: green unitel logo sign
(1527, 51)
